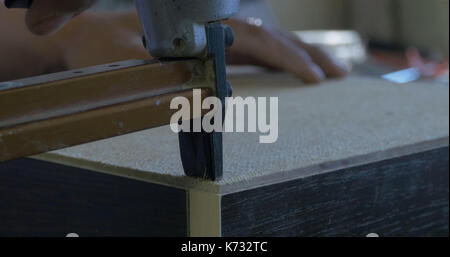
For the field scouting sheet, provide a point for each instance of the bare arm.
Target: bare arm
(89, 39)
(22, 53)
(48, 16)
(94, 38)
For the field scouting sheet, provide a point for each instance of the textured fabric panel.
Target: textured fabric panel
(332, 121)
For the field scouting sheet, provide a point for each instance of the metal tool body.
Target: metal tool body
(191, 28)
(189, 41)
(179, 28)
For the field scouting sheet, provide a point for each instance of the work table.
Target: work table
(353, 120)
(357, 141)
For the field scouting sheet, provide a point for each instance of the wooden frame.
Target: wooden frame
(55, 111)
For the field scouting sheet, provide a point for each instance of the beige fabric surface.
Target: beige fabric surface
(336, 120)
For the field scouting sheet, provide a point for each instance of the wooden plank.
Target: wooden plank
(43, 199)
(68, 92)
(57, 133)
(404, 196)
(65, 109)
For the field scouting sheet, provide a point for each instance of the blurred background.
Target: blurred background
(422, 23)
(374, 37)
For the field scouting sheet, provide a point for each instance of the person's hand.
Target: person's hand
(48, 16)
(281, 50)
(108, 37)
(96, 38)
